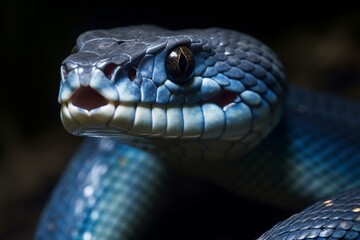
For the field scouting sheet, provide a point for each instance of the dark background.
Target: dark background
(320, 48)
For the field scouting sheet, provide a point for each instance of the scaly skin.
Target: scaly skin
(222, 119)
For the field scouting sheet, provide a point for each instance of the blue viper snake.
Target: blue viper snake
(212, 103)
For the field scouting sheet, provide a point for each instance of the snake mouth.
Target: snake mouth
(89, 113)
(224, 99)
(87, 108)
(87, 98)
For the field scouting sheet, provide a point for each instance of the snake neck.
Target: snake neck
(188, 151)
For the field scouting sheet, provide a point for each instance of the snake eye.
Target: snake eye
(180, 64)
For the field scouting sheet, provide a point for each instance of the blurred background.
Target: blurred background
(320, 48)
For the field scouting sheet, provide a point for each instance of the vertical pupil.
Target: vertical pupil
(182, 63)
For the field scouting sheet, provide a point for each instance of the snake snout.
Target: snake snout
(87, 98)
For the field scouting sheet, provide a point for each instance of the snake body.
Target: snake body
(212, 103)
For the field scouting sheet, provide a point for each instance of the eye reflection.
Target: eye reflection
(180, 65)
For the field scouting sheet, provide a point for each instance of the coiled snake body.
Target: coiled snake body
(213, 103)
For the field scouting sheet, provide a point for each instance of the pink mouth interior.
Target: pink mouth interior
(224, 98)
(87, 98)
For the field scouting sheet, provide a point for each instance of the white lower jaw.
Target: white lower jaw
(95, 117)
(67, 120)
(206, 121)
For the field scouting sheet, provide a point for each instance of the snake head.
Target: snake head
(192, 84)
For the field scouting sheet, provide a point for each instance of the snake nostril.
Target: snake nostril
(109, 70)
(131, 74)
(87, 98)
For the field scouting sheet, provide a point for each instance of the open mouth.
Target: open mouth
(224, 99)
(87, 98)
(87, 111)
(87, 107)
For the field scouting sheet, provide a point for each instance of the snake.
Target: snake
(213, 103)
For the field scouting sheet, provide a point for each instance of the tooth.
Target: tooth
(123, 117)
(68, 122)
(193, 120)
(158, 120)
(103, 114)
(214, 120)
(142, 122)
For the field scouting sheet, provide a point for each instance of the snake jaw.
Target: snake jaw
(86, 108)
(75, 119)
(95, 109)
(226, 116)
